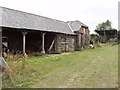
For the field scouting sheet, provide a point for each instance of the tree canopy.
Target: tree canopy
(105, 26)
(94, 37)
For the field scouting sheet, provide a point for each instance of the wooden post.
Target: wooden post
(56, 42)
(43, 43)
(115, 34)
(24, 43)
(65, 43)
(104, 37)
(78, 40)
(0, 41)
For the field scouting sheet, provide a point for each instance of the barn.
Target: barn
(25, 32)
(106, 35)
(82, 32)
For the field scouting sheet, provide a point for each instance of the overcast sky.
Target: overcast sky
(90, 12)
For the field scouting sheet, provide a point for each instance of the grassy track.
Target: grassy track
(92, 68)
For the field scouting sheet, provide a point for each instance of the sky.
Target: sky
(90, 12)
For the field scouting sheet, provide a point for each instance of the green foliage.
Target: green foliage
(37, 54)
(94, 37)
(105, 26)
(54, 52)
(78, 49)
(113, 40)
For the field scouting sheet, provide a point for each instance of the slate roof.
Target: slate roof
(76, 25)
(18, 19)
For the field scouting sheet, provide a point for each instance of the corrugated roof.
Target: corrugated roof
(18, 19)
(76, 25)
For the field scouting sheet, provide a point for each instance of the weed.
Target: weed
(37, 54)
(90, 68)
(78, 49)
(54, 52)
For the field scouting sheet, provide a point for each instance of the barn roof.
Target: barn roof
(76, 25)
(18, 19)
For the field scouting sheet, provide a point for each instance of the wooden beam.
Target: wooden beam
(51, 45)
(24, 43)
(0, 41)
(43, 43)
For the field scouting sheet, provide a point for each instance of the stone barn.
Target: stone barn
(82, 32)
(26, 33)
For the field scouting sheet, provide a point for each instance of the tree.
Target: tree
(105, 26)
(94, 37)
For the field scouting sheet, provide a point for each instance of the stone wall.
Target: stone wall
(65, 42)
(79, 41)
(83, 38)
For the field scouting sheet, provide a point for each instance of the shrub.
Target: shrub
(37, 54)
(113, 40)
(54, 52)
(78, 49)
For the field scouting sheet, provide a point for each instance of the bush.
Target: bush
(54, 52)
(113, 40)
(78, 49)
(37, 54)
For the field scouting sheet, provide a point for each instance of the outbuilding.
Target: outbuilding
(26, 33)
(106, 35)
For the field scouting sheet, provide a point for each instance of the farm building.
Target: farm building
(26, 32)
(82, 32)
(119, 36)
(106, 35)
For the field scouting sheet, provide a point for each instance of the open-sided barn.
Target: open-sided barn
(106, 35)
(27, 32)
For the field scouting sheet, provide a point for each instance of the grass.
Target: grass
(91, 68)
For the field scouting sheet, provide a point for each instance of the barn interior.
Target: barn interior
(12, 40)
